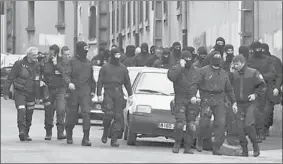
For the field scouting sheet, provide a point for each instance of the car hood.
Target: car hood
(155, 101)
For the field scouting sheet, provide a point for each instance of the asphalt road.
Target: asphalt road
(156, 150)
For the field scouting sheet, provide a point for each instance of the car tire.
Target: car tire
(125, 132)
(131, 137)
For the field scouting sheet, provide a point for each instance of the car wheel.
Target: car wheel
(125, 132)
(131, 137)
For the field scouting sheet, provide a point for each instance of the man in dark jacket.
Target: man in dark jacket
(214, 85)
(101, 58)
(158, 51)
(25, 78)
(112, 76)
(185, 81)
(273, 91)
(244, 50)
(51, 68)
(142, 59)
(129, 56)
(79, 78)
(163, 61)
(264, 65)
(219, 47)
(175, 56)
(248, 84)
(201, 55)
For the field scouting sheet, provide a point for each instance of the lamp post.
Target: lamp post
(75, 24)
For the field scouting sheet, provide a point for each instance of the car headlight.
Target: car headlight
(143, 109)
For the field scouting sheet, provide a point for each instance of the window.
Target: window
(146, 10)
(30, 15)
(179, 4)
(165, 7)
(129, 14)
(134, 12)
(141, 11)
(123, 17)
(92, 23)
(61, 12)
(113, 21)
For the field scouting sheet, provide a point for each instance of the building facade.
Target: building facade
(194, 23)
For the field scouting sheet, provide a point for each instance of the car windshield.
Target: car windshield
(155, 83)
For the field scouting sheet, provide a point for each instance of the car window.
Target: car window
(154, 83)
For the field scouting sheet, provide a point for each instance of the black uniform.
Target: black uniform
(185, 82)
(112, 76)
(80, 73)
(129, 56)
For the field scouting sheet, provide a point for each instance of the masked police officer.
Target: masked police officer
(112, 76)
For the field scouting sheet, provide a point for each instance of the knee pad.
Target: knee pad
(191, 126)
(21, 107)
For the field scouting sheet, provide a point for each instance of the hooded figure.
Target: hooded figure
(142, 59)
(272, 100)
(82, 50)
(163, 61)
(216, 60)
(152, 50)
(228, 57)
(266, 68)
(175, 54)
(202, 53)
(219, 45)
(192, 51)
(115, 56)
(130, 53)
(244, 50)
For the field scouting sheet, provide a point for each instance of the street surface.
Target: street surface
(156, 150)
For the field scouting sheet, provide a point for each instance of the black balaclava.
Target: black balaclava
(166, 56)
(219, 48)
(130, 51)
(201, 53)
(265, 49)
(244, 50)
(82, 49)
(216, 59)
(144, 48)
(106, 55)
(192, 51)
(255, 46)
(176, 52)
(113, 59)
(229, 56)
(152, 50)
(185, 55)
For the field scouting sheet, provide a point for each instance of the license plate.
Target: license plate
(166, 126)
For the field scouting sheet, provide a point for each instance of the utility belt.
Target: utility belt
(210, 94)
(112, 86)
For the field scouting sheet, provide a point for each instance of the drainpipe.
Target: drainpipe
(75, 25)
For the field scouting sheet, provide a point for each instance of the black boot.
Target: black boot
(22, 135)
(85, 141)
(27, 137)
(216, 150)
(61, 135)
(199, 144)
(245, 152)
(187, 148)
(69, 136)
(176, 147)
(258, 138)
(48, 134)
(256, 149)
(114, 139)
(104, 135)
